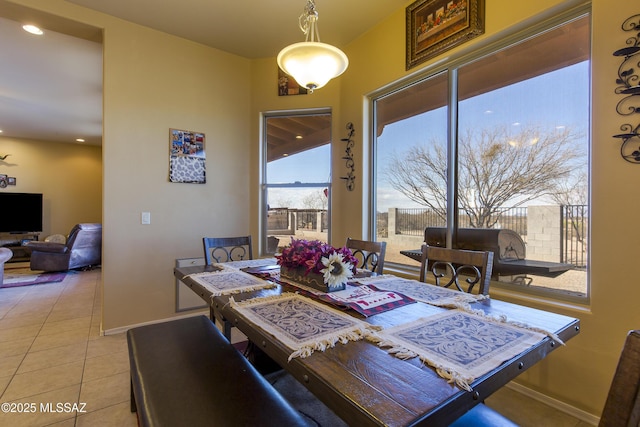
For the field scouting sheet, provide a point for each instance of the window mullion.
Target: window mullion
(452, 157)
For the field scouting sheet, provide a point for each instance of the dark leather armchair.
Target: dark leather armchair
(83, 249)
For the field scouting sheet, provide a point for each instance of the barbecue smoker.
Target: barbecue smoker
(509, 251)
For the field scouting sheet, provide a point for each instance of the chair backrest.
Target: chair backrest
(225, 249)
(370, 254)
(86, 235)
(622, 408)
(447, 265)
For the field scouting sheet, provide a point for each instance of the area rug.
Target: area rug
(14, 277)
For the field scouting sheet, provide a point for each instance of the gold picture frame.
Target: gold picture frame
(435, 26)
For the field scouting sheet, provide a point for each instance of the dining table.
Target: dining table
(405, 353)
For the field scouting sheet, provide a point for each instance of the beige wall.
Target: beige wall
(154, 81)
(69, 176)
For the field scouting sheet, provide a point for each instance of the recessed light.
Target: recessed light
(79, 140)
(32, 29)
(298, 136)
(285, 155)
(0, 130)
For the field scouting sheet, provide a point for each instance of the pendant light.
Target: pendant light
(312, 63)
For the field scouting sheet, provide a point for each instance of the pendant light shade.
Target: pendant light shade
(312, 63)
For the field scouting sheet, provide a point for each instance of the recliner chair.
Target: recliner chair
(5, 255)
(83, 249)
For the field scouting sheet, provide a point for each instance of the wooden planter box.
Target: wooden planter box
(312, 280)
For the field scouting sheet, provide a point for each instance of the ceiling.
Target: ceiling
(53, 89)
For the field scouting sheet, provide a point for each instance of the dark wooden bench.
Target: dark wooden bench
(509, 250)
(185, 373)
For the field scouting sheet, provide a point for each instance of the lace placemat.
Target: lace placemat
(226, 282)
(424, 292)
(300, 323)
(461, 346)
(237, 265)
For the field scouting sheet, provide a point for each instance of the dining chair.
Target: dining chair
(450, 266)
(225, 249)
(622, 407)
(370, 254)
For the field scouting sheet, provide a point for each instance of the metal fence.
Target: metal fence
(574, 232)
(573, 238)
(413, 221)
(306, 219)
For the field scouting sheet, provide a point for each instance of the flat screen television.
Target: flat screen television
(20, 212)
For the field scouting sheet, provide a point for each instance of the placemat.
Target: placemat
(461, 346)
(302, 324)
(226, 282)
(237, 265)
(425, 292)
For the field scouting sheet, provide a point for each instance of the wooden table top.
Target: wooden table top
(365, 385)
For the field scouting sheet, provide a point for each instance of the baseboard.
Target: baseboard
(124, 329)
(556, 404)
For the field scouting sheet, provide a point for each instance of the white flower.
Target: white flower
(336, 271)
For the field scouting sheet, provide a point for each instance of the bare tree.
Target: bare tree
(495, 168)
(315, 200)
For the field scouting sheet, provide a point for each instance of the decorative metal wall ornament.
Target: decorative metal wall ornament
(348, 157)
(628, 82)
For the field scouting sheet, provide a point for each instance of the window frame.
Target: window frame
(265, 186)
(517, 34)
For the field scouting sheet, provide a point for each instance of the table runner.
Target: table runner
(302, 324)
(461, 346)
(231, 281)
(367, 299)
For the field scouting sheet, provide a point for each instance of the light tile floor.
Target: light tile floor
(51, 353)
(55, 368)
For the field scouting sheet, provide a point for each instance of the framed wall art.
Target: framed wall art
(435, 26)
(287, 85)
(187, 156)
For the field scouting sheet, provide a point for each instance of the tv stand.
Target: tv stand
(16, 242)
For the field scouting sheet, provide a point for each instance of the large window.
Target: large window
(497, 142)
(297, 178)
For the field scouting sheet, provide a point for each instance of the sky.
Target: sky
(554, 99)
(550, 100)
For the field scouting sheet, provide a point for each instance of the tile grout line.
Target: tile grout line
(86, 352)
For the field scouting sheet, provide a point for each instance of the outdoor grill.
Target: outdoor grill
(509, 251)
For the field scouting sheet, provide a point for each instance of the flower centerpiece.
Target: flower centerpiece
(317, 264)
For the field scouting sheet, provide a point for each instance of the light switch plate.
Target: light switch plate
(145, 217)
